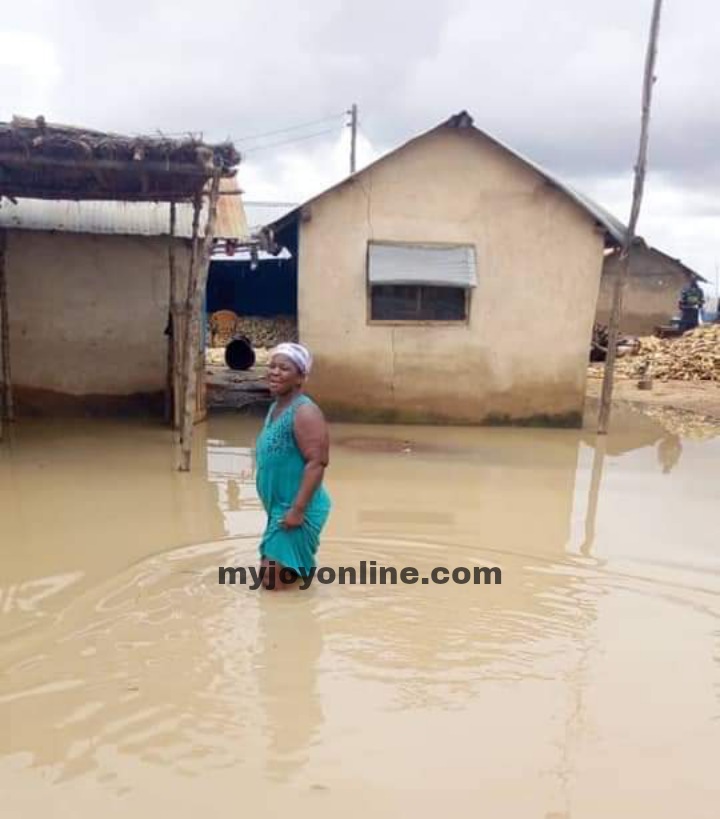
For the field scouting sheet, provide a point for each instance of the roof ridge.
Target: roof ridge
(463, 120)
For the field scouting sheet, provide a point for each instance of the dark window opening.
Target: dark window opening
(412, 302)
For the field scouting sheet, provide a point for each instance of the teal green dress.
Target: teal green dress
(280, 470)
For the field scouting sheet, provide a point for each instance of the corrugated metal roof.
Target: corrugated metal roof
(231, 218)
(124, 218)
(689, 271)
(612, 224)
(614, 227)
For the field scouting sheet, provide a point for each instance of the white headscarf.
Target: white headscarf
(299, 355)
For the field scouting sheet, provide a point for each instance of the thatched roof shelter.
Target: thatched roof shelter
(41, 160)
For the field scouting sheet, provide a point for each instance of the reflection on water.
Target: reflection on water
(669, 451)
(290, 641)
(129, 674)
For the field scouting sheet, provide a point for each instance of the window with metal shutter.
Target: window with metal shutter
(431, 265)
(409, 282)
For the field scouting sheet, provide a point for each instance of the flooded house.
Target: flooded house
(452, 280)
(652, 291)
(90, 317)
(89, 294)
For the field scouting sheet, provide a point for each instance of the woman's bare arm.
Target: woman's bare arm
(313, 440)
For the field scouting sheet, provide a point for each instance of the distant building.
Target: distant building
(452, 280)
(652, 291)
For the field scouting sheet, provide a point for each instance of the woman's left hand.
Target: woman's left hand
(293, 519)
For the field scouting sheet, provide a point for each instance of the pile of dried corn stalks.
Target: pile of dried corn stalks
(263, 333)
(694, 356)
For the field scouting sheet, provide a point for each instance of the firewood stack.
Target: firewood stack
(265, 333)
(694, 356)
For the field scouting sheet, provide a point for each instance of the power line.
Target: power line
(190, 134)
(286, 130)
(256, 136)
(288, 141)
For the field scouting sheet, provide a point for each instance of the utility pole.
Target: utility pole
(614, 323)
(352, 125)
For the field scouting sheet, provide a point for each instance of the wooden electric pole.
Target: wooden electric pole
(352, 125)
(619, 288)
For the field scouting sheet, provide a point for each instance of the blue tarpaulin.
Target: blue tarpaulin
(269, 290)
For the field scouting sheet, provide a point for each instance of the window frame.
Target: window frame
(371, 322)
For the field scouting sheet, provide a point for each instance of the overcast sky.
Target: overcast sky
(558, 80)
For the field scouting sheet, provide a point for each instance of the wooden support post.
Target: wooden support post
(619, 288)
(171, 393)
(185, 308)
(196, 288)
(194, 244)
(181, 323)
(7, 412)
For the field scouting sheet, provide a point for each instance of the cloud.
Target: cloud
(29, 70)
(298, 174)
(559, 81)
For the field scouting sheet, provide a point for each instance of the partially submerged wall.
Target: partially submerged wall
(87, 321)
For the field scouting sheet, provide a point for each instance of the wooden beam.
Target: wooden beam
(106, 192)
(640, 166)
(134, 167)
(7, 412)
(196, 288)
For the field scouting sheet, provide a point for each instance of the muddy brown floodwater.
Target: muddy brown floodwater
(587, 685)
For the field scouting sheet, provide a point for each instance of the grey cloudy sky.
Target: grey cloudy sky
(558, 80)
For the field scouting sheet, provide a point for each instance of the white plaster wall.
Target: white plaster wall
(524, 350)
(88, 313)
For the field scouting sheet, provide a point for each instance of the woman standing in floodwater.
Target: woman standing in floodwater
(292, 455)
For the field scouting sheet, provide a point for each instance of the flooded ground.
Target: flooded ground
(586, 685)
